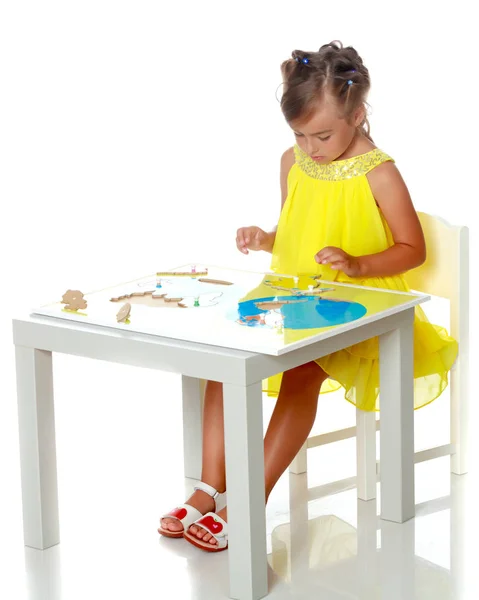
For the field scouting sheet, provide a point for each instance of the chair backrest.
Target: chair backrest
(446, 270)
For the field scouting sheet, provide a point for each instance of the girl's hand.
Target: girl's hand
(339, 260)
(251, 238)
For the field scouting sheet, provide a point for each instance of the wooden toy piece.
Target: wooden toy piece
(274, 304)
(315, 291)
(74, 300)
(123, 313)
(216, 281)
(133, 295)
(147, 299)
(279, 287)
(292, 291)
(180, 273)
(250, 318)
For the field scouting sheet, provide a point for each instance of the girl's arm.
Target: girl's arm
(409, 250)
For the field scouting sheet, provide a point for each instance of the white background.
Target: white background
(139, 135)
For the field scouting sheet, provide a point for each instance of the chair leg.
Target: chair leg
(366, 454)
(459, 418)
(459, 376)
(300, 463)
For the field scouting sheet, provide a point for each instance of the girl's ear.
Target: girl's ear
(359, 115)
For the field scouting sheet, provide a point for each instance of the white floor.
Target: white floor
(120, 465)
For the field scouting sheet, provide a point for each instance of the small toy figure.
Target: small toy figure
(74, 300)
(296, 281)
(197, 302)
(158, 283)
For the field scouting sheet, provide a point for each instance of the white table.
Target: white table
(37, 337)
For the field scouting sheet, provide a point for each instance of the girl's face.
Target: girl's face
(325, 135)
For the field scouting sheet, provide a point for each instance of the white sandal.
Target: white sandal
(187, 515)
(214, 525)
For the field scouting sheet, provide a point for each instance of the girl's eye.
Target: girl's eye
(298, 134)
(325, 139)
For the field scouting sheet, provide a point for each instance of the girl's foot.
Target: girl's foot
(203, 535)
(203, 500)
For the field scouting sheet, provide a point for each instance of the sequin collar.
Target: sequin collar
(340, 169)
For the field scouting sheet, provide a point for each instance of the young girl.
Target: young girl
(346, 215)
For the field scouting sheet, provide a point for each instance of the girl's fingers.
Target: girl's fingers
(323, 254)
(332, 257)
(241, 242)
(248, 237)
(338, 265)
(329, 254)
(328, 258)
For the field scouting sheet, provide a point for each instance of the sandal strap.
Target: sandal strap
(212, 521)
(208, 489)
(192, 515)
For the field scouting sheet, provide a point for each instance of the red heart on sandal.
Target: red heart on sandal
(179, 513)
(214, 525)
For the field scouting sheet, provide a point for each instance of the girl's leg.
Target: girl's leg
(292, 420)
(290, 425)
(213, 468)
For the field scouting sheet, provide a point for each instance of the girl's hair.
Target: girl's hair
(335, 70)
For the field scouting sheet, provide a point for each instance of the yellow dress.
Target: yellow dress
(333, 205)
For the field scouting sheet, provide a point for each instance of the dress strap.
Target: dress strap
(373, 159)
(338, 170)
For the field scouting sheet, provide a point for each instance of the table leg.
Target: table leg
(37, 447)
(397, 422)
(367, 554)
(397, 561)
(243, 415)
(459, 539)
(366, 454)
(193, 395)
(299, 526)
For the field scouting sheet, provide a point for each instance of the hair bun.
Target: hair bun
(335, 45)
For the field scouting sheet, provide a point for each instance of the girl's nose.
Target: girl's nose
(311, 147)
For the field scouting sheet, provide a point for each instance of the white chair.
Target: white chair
(445, 274)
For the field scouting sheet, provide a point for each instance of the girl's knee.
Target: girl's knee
(309, 374)
(214, 386)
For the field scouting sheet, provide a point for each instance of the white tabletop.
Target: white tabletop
(232, 316)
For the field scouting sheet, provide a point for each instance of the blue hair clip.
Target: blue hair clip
(350, 82)
(303, 60)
